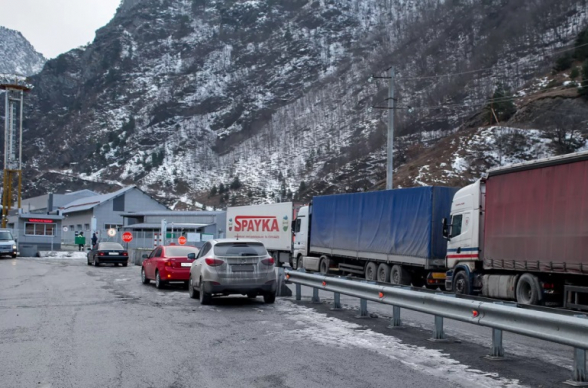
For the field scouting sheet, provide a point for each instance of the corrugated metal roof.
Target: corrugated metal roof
(93, 201)
(173, 212)
(177, 225)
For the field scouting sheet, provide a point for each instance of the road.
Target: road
(65, 324)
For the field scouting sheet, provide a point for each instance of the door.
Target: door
(197, 266)
(152, 262)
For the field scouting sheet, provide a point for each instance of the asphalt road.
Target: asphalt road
(65, 324)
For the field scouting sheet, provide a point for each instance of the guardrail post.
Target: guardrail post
(337, 302)
(497, 349)
(579, 377)
(315, 295)
(438, 334)
(298, 292)
(395, 321)
(363, 311)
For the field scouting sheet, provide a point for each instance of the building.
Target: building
(195, 226)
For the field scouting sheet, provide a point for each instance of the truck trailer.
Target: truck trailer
(388, 236)
(521, 233)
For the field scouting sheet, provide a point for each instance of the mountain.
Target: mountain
(271, 99)
(18, 55)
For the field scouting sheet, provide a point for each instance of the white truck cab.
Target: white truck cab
(301, 234)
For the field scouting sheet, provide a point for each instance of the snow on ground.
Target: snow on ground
(319, 328)
(71, 255)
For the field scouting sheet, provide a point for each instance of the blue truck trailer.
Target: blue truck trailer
(393, 236)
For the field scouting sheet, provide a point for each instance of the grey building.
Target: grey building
(36, 232)
(196, 226)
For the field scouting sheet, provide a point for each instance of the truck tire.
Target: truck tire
(324, 265)
(384, 273)
(528, 290)
(399, 275)
(371, 272)
(296, 262)
(461, 283)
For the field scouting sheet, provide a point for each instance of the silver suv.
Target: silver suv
(7, 243)
(232, 266)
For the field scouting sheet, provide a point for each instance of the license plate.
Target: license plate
(186, 264)
(113, 253)
(242, 268)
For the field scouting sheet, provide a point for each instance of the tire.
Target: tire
(89, 261)
(14, 256)
(125, 264)
(193, 293)
(371, 272)
(528, 290)
(252, 295)
(205, 297)
(144, 279)
(400, 276)
(324, 265)
(296, 262)
(96, 263)
(461, 283)
(384, 273)
(116, 264)
(269, 298)
(158, 282)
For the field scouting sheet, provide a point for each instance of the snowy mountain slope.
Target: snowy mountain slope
(180, 95)
(18, 55)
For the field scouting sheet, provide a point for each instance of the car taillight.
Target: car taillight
(125, 253)
(168, 263)
(213, 262)
(100, 253)
(268, 261)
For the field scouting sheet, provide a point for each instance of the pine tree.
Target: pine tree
(502, 105)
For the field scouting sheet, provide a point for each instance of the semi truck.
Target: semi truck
(269, 223)
(391, 236)
(521, 233)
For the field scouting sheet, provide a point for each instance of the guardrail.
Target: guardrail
(500, 316)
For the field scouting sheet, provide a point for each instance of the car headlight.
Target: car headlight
(14, 247)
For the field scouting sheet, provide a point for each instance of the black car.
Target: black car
(108, 252)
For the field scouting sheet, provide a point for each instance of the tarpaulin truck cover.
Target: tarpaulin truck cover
(537, 217)
(401, 222)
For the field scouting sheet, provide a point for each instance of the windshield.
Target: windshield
(110, 245)
(5, 235)
(240, 249)
(180, 251)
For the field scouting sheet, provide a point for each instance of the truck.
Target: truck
(269, 223)
(393, 236)
(521, 233)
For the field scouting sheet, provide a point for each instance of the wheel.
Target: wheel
(116, 264)
(14, 256)
(296, 262)
(96, 263)
(158, 282)
(186, 284)
(89, 261)
(371, 271)
(384, 273)
(144, 279)
(252, 295)
(324, 265)
(269, 298)
(528, 290)
(125, 264)
(193, 293)
(461, 283)
(399, 275)
(205, 297)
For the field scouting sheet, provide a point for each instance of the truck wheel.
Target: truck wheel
(399, 275)
(324, 265)
(296, 262)
(384, 273)
(371, 272)
(461, 283)
(528, 290)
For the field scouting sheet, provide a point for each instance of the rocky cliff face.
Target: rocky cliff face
(180, 95)
(18, 55)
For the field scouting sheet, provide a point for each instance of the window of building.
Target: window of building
(79, 227)
(39, 229)
(87, 226)
(118, 204)
(118, 227)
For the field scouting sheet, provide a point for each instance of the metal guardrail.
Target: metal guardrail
(500, 316)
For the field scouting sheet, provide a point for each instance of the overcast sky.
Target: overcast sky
(56, 26)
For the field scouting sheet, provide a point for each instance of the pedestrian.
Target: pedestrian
(81, 241)
(94, 240)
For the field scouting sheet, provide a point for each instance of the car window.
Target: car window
(239, 249)
(158, 252)
(180, 251)
(5, 235)
(456, 225)
(110, 245)
(204, 250)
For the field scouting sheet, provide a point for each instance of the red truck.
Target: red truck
(521, 233)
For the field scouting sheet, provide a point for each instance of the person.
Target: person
(81, 241)
(94, 240)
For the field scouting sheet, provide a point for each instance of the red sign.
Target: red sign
(182, 240)
(40, 221)
(127, 237)
(256, 224)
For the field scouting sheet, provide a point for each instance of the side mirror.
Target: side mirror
(446, 230)
(144, 256)
(191, 256)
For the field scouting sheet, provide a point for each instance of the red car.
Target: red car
(168, 263)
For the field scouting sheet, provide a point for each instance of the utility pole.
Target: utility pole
(391, 110)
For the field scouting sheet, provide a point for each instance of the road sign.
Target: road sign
(111, 232)
(65, 229)
(182, 240)
(127, 237)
